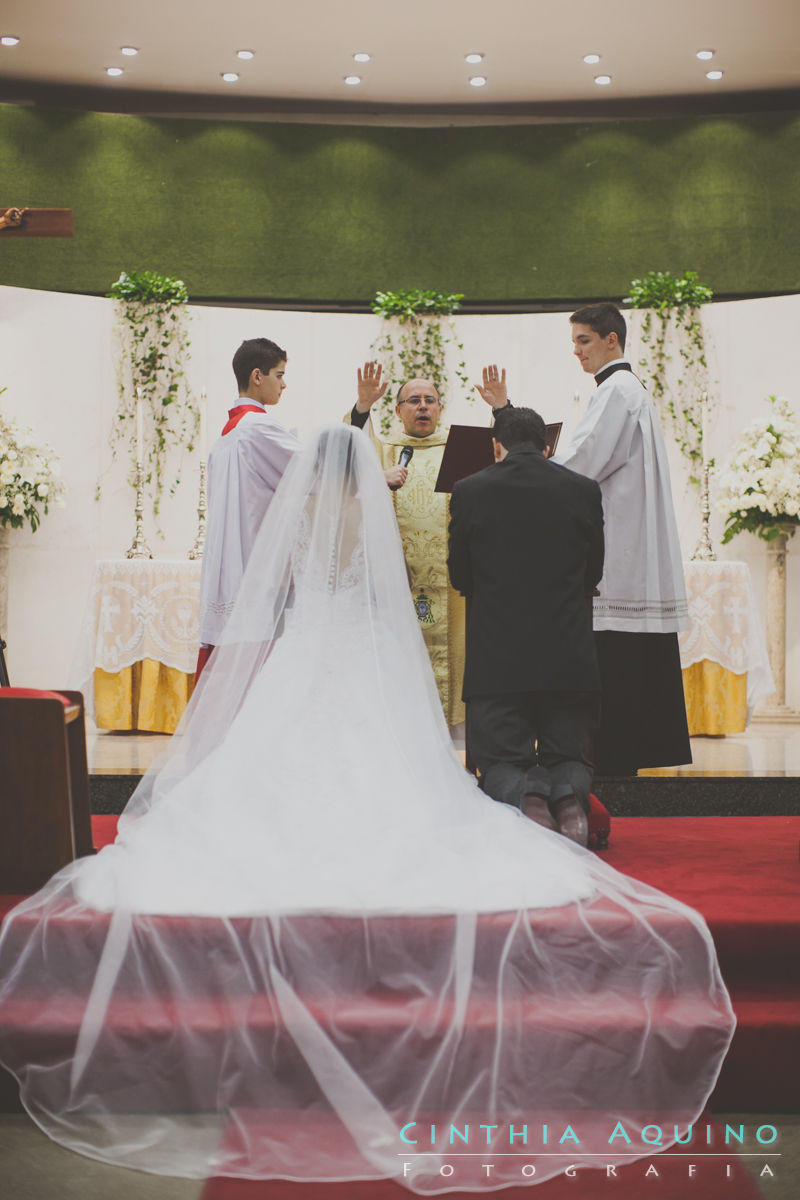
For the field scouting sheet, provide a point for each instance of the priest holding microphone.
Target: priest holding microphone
(422, 515)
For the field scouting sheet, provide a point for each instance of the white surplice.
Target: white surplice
(245, 467)
(619, 443)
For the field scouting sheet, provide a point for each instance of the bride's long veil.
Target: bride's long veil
(316, 948)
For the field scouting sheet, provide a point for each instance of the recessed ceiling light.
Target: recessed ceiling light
(591, 58)
(362, 56)
(602, 80)
(477, 80)
(475, 57)
(129, 51)
(352, 80)
(8, 39)
(230, 76)
(705, 54)
(114, 71)
(713, 74)
(246, 55)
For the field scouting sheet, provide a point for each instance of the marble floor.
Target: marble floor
(760, 751)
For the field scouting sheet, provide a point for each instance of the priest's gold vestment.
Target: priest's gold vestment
(422, 517)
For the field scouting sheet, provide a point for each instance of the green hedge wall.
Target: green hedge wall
(293, 212)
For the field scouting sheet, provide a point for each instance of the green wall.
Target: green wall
(299, 213)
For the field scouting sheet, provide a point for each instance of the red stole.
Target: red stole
(235, 415)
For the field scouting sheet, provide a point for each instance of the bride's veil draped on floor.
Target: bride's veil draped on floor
(315, 932)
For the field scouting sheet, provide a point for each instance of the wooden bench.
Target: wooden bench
(45, 816)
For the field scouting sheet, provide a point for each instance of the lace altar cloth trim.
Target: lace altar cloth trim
(726, 626)
(139, 608)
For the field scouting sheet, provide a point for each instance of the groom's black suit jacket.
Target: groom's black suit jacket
(526, 549)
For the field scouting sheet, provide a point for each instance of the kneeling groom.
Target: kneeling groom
(526, 549)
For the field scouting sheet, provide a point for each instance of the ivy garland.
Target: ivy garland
(152, 319)
(672, 317)
(414, 342)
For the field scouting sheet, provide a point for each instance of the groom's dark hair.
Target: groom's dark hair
(520, 427)
(255, 352)
(603, 318)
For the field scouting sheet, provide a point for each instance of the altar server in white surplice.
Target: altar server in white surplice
(641, 604)
(245, 467)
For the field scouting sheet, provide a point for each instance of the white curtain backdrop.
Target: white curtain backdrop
(57, 362)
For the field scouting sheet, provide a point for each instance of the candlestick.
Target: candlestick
(139, 547)
(200, 541)
(203, 439)
(704, 551)
(139, 427)
(704, 429)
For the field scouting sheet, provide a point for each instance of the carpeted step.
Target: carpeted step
(741, 873)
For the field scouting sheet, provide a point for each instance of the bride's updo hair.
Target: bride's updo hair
(336, 455)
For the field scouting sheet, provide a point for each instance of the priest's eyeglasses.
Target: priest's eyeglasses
(415, 401)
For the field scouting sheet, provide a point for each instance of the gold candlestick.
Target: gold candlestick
(202, 511)
(139, 547)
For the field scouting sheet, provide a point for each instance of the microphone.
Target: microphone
(405, 458)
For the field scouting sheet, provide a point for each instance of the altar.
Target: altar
(726, 671)
(137, 649)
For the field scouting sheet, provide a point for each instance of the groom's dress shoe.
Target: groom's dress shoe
(536, 809)
(572, 820)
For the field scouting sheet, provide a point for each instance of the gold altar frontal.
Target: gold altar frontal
(147, 696)
(716, 699)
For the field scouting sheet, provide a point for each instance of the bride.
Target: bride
(316, 949)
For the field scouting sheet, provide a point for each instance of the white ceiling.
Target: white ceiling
(303, 48)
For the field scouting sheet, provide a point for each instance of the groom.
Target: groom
(526, 549)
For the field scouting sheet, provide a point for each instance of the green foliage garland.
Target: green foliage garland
(415, 340)
(672, 316)
(152, 320)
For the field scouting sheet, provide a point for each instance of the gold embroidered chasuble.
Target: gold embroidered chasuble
(422, 517)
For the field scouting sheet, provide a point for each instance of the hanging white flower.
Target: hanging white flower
(29, 476)
(759, 489)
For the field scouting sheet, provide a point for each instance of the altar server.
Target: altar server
(641, 604)
(245, 467)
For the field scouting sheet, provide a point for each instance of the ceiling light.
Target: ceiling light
(477, 80)
(114, 71)
(602, 80)
(475, 57)
(713, 74)
(352, 80)
(362, 56)
(230, 76)
(246, 55)
(129, 51)
(591, 58)
(8, 39)
(705, 54)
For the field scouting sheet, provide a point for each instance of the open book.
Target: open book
(469, 449)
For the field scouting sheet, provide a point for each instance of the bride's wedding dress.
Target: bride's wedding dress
(315, 932)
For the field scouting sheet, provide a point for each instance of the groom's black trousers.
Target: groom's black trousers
(538, 743)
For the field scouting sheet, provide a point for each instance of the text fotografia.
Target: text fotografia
(528, 1170)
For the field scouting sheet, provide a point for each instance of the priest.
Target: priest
(423, 515)
(245, 466)
(642, 603)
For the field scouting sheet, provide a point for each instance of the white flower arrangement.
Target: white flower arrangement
(30, 477)
(759, 489)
